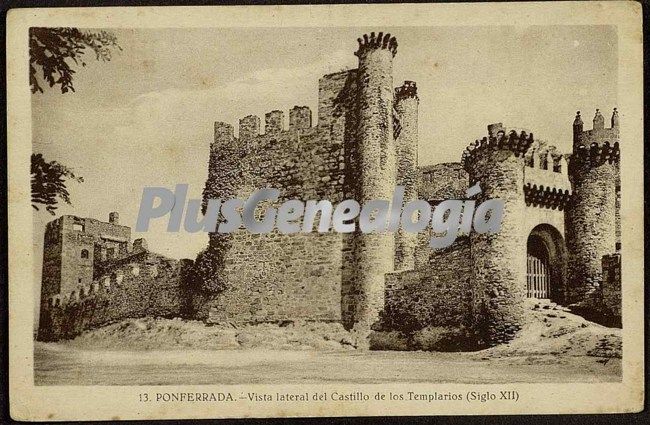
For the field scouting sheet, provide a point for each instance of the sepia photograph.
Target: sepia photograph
(306, 212)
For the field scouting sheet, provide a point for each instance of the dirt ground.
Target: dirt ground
(553, 346)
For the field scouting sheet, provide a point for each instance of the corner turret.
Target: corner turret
(363, 294)
(406, 147)
(592, 219)
(615, 119)
(577, 128)
(497, 163)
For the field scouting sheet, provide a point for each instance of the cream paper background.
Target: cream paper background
(111, 402)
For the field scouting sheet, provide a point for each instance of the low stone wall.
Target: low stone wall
(147, 285)
(611, 286)
(436, 295)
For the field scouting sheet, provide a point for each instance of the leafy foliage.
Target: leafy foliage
(49, 183)
(50, 47)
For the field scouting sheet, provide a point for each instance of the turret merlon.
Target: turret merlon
(615, 122)
(249, 127)
(599, 121)
(498, 140)
(223, 132)
(274, 122)
(381, 41)
(406, 90)
(299, 118)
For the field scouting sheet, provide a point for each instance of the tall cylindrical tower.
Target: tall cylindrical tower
(498, 259)
(591, 218)
(373, 253)
(406, 145)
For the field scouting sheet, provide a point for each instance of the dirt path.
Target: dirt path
(553, 346)
(60, 365)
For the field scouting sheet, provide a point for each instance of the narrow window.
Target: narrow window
(84, 253)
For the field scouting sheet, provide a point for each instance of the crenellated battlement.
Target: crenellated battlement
(599, 134)
(113, 272)
(498, 140)
(543, 156)
(546, 176)
(596, 146)
(545, 196)
(407, 90)
(300, 119)
(379, 41)
(597, 154)
(82, 292)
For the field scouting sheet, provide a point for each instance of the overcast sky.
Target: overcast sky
(145, 118)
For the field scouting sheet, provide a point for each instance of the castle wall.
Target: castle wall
(447, 180)
(285, 276)
(437, 293)
(276, 277)
(140, 285)
(72, 247)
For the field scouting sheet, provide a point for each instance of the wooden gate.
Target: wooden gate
(537, 273)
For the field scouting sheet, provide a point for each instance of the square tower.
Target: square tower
(73, 246)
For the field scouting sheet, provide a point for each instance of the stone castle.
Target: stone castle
(559, 240)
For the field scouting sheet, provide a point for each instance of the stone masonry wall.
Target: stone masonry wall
(447, 180)
(52, 245)
(284, 277)
(140, 285)
(436, 294)
(611, 287)
(277, 277)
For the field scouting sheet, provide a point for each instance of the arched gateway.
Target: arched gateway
(546, 264)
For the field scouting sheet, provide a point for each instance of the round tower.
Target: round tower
(499, 267)
(591, 217)
(405, 128)
(373, 253)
